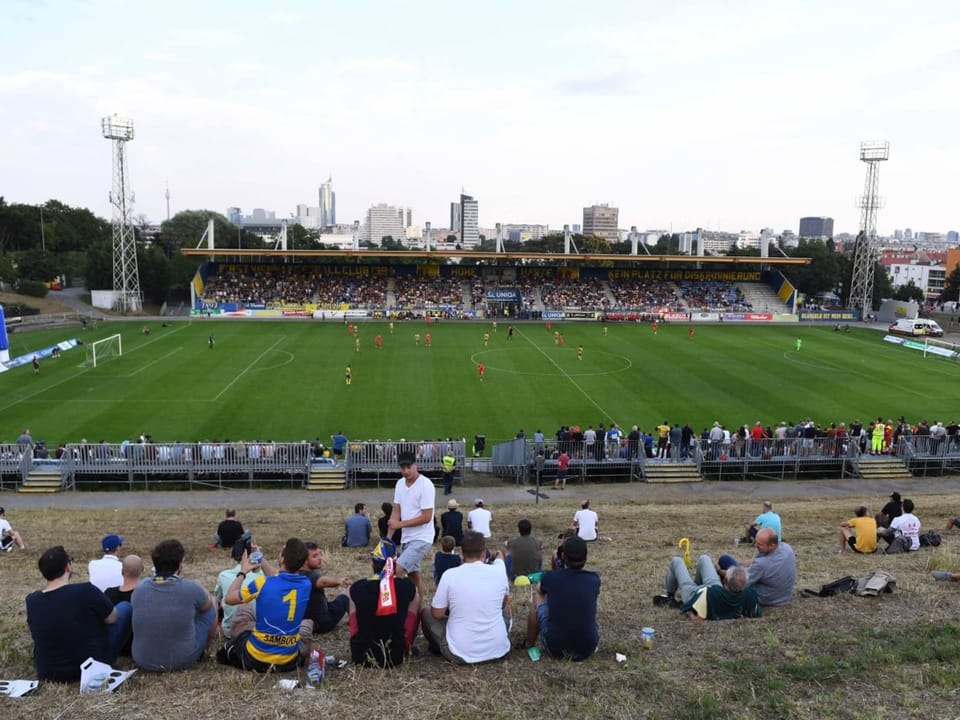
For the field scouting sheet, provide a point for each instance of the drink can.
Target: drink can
(256, 557)
(648, 634)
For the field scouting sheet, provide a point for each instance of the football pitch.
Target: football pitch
(284, 381)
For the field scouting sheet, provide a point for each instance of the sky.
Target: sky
(731, 115)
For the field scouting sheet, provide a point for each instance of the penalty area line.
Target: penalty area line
(248, 367)
(567, 376)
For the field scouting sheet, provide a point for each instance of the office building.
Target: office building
(816, 227)
(383, 221)
(454, 217)
(601, 221)
(328, 204)
(469, 222)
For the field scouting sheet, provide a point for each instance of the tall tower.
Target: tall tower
(864, 253)
(469, 222)
(328, 204)
(126, 278)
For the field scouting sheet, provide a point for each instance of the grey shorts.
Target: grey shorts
(411, 554)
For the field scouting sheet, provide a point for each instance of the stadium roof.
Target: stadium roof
(511, 257)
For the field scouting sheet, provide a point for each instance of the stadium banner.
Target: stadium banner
(694, 275)
(581, 315)
(705, 317)
(925, 348)
(675, 316)
(503, 295)
(4, 341)
(786, 317)
(40, 354)
(829, 315)
(748, 317)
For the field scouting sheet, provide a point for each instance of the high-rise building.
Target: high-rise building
(469, 222)
(406, 216)
(383, 221)
(455, 217)
(235, 215)
(601, 221)
(328, 204)
(816, 227)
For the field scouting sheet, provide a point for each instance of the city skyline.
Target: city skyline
(682, 116)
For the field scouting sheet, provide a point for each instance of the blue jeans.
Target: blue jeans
(119, 632)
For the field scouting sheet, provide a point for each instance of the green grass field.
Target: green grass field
(285, 380)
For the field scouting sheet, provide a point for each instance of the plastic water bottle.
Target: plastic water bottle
(315, 668)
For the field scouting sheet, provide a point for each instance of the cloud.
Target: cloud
(374, 65)
(618, 82)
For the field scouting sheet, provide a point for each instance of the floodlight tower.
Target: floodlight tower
(126, 278)
(864, 253)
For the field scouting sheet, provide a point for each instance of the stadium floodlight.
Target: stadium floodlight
(126, 277)
(874, 150)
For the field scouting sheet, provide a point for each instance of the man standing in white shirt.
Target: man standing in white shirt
(107, 571)
(479, 518)
(413, 501)
(467, 621)
(586, 522)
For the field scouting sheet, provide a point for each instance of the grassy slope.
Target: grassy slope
(284, 381)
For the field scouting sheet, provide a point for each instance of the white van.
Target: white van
(918, 327)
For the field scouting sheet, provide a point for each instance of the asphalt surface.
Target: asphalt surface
(499, 494)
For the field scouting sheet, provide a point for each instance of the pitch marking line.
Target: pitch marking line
(567, 376)
(247, 369)
(162, 357)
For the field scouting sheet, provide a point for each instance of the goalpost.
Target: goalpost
(102, 350)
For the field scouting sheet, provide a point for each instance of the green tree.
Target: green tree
(8, 273)
(299, 238)
(37, 265)
(154, 269)
(908, 292)
(98, 269)
(187, 227)
(823, 274)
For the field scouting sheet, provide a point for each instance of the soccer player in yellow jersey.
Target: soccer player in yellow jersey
(486, 339)
(579, 352)
(348, 375)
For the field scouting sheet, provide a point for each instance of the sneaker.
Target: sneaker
(662, 600)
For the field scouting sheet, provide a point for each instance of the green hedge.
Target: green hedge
(34, 288)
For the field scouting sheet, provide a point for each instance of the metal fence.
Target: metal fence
(766, 458)
(215, 464)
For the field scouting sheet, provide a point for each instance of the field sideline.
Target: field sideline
(285, 380)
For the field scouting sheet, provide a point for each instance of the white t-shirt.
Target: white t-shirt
(4, 527)
(106, 572)
(412, 500)
(586, 521)
(473, 593)
(909, 526)
(479, 519)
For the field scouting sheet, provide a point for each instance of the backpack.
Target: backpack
(846, 584)
(930, 538)
(878, 581)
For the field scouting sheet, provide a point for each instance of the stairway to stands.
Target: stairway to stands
(42, 481)
(327, 477)
(883, 467)
(668, 472)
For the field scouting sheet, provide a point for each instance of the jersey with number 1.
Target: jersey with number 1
(281, 604)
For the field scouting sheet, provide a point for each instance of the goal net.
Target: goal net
(102, 350)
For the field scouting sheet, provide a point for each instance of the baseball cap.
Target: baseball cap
(452, 504)
(726, 561)
(406, 458)
(383, 550)
(111, 542)
(478, 501)
(575, 549)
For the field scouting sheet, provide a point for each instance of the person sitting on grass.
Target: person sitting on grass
(766, 519)
(71, 622)
(773, 572)
(524, 553)
(707, 597)
(269, 638)
(382, 640)
(859, 533)
(228, 531)
(175, 618)
(563, 613)
(447, 558)
(8, 536)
